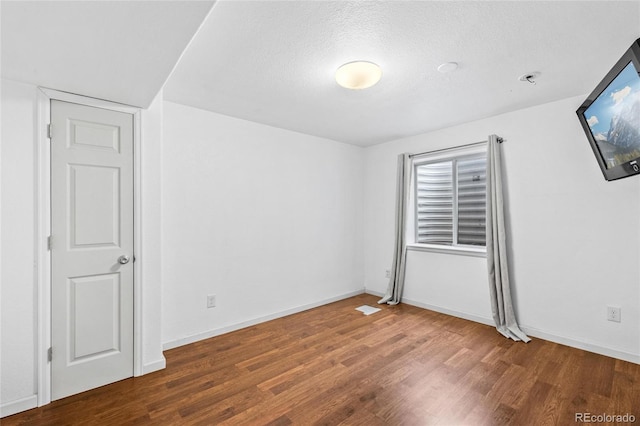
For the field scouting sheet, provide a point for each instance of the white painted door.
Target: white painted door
(91, 234)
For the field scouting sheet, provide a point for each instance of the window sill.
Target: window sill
(457, 250)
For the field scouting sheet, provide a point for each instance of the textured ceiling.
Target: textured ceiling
(121, 51)
(274, 62)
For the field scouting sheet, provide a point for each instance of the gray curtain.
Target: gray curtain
(497, 261)
(396, 278)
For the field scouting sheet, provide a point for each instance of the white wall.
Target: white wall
(266, 219)
(151, 206)
(19, 302)
(18, 313)
(575, 237)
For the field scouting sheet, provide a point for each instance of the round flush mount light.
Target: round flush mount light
(358, 75)
(448, 67)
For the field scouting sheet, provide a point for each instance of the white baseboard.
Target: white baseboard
(19, 405)
(446, 311)
(453, 313)
(530, 331)
(150, 367)
(223, 330)
(586, 346)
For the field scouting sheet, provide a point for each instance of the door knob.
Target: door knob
(124, 259)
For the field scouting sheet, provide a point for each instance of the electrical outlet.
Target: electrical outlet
(211, 301)
(614, 313)
(387, 273)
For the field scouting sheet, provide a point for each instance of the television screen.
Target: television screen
(610, 117)
(614, 118)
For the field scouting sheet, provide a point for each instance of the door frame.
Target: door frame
(42, 268)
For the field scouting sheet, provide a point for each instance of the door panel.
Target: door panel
(94, 196)
(94, 323)
(94, 135)
(92, 226)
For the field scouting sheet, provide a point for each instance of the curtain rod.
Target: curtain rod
(500, 140)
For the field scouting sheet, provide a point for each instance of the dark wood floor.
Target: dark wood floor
(333, 365)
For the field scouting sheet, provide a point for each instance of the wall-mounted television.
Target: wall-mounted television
(610, 117)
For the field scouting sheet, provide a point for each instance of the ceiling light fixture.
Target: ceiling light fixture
(358, 75)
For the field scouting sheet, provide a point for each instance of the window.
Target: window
(450, 198)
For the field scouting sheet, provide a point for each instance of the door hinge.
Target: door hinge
(49, 243)
(49, 131)
(49, 354)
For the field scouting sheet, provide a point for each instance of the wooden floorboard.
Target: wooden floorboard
(333, 365)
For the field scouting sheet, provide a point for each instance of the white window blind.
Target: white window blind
(450, 201)
(472, 201)
(434, 200)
